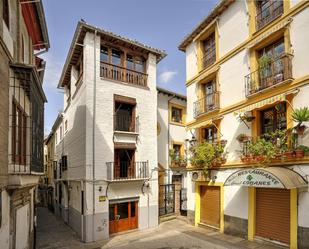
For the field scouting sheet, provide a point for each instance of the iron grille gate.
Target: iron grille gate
(183, 201)
(166, 199)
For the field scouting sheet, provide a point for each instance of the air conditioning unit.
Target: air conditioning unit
(197, 176)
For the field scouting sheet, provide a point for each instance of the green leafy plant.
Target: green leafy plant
(202, 155)
(301, 115)
(262, 148)
(264, 61)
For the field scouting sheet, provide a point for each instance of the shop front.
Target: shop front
(272, 208)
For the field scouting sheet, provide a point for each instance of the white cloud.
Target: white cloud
(166, 76)
(52, 72)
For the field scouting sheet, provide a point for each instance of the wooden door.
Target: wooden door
(210, 205)
(123, 216)
(273, 214)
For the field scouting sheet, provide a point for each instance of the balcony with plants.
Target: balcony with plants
(177, 160)
(278, 146)
(206, 155)
(271, 72)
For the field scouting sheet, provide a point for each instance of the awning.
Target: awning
(264, 102)
(204, 123)
(271, 177)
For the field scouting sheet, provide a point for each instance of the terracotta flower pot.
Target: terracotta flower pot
(301, 130)
(260, 158)
(299, 153)
(289, 154)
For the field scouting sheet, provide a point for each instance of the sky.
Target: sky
(159, 23)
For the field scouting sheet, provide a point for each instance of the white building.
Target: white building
(247, 70)
(172, 152)
(107, 140)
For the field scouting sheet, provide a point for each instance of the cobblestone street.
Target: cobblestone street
(174, 234)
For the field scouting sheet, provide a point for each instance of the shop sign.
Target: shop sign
(102, 198)
(254, 178)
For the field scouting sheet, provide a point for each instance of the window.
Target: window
(177, 150)
(6, 13)
(56, 136)
(209, 46)
(135, 63)
(66, 125)
(19, 134)
(274, 118)
(209, 134)
(104, 54)
(116, 57)
(267, 11)
(176, 115)
(64, 163)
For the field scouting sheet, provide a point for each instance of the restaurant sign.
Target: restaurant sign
(254, 178)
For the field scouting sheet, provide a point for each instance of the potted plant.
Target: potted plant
(299, 152)
(202, 155)
(300, 115)
(304, 148)
(262, 150)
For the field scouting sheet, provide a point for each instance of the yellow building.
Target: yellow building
(247, 72)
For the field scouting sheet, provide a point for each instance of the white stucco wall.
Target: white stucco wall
(192, 96)
(5, 220)
(191, 60)
(232, 79)
(233, 21)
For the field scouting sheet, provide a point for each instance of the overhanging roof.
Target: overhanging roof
(270, 177)
(219, 8)
(76, 48)
(34, 16)
(170, 93)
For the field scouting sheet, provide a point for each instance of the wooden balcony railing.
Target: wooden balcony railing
(125, 170)
(125, 122)
(277, 71)
(209, 58)
(209, 103)
(118, 73)
(265, 16)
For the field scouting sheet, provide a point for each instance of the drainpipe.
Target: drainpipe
(168, 136)
(93, 130)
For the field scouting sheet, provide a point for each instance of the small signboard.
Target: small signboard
(253, 178)
(102, 198)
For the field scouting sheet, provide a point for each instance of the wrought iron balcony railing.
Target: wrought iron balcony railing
(123, 74)
(277, 71)
(124, 170)
(209, 58)
(267, 15)
(207, 104)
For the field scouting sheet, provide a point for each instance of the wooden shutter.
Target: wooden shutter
(210, 205)
(273, 214)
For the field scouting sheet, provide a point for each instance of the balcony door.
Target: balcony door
(209, 93)
(124, 163)
(123, 216)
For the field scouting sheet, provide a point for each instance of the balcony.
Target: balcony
(127, 171)
(210, 102)
(178, 164)
(277, 71)
(122, 74)
(209, 58)
(268, 14)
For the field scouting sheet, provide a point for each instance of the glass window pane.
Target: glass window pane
(130, 62)
(140, 65)
(104, 54)
(116, 57)
(176, 115)
(123, 210)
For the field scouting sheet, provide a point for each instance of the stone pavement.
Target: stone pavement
(175, 234)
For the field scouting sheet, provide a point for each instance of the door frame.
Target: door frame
(198, 202)
(293, 215)
(130, 227)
